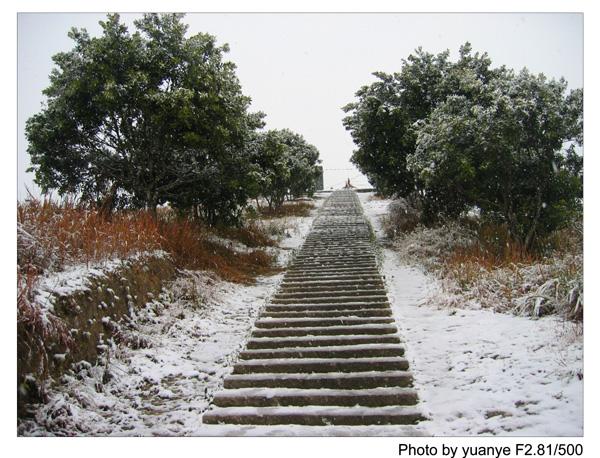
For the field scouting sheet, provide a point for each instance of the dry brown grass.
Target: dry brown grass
(479, 263)
(186, 241)
(288, 209)
(250, 234)
(52, 235)
(492, 248)
(36, 329)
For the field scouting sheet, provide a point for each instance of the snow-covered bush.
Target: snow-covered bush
(430, 245)
(475, 278)
(402, 216)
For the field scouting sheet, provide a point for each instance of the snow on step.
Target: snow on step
(353, 312)
(326, 293)
(325, 351)
(267, 322)
(264, 397)
(333, 270)
(355, 329)
(315, 415)
(331, 300)
(340, 380)
(320, 365)
(334, 351)
(381, 301)
(317, 307)
(316, 341)
(330, 286)
(318, 275)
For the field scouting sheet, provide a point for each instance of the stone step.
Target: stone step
(360, 244)
(319, 275)
(348, 266)
(344, 290)
(334, 233)
(311, 365)
(273, 397)
(319, 307)
(318, 322)
(350, 270)
(324, 270)
(335, 257)
(315, 415)
(283, 294)
(341, 351)
(328, 248)
(334, 284)
(325, 350)
(330, 299)
(320, 341)
(329, 268)
(366, 329)
(335, 380)
(320, 278)
(377, 312)
(334, 275)
(345, 259)
(334, 264)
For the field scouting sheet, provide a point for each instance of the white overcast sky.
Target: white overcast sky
(300, 69)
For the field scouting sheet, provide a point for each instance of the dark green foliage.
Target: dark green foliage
(285, 165)
(461, 136)
(145, 118)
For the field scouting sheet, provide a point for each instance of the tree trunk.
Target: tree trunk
(152, 203)
(532, 230)
(153, 211)
(108, 203)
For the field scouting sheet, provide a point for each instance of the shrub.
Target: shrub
(186, 241)
(402, 216)
(288, 209)
(481, 266)
(53, 234)
(250, 234)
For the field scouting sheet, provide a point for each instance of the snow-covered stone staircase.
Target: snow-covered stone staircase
(325, 351)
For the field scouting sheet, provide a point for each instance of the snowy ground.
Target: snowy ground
(193, 333)
(477, 372)
(480, 372)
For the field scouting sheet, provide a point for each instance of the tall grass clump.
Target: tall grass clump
(188, 243)
(52, 235)
(481, 265)
(292, 208)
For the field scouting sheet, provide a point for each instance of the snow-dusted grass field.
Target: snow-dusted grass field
(480, 372)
